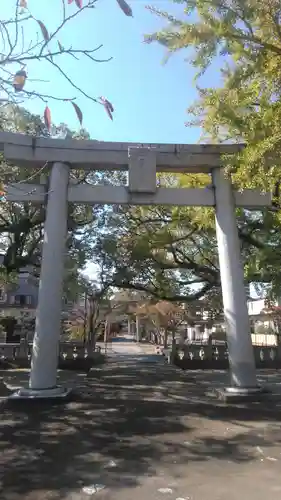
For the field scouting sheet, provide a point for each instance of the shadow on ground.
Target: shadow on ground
(148, 419)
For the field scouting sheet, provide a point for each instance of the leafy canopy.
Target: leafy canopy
(244, 38)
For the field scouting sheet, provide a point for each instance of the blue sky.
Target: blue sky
(150, 98)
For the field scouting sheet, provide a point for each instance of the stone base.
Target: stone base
(243, 394)
(56, 394)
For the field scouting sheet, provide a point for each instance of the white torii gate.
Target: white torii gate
(142, 162)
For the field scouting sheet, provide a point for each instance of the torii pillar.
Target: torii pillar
(243, 381)
(45, 353)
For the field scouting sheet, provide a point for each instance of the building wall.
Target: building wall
(21, 296)
(256, 306)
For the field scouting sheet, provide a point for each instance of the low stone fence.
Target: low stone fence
(200, 356)
(72, 355)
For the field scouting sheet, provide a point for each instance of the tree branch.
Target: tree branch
(162, 295)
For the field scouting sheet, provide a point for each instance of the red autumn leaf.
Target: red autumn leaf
(125, 8)
(70, 1)
(44, 30)
(79, 3)
(19, 80)
(107, 106)
(78, 112)
(47, 118)
(23, 4)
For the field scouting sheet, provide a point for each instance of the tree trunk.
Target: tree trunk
(92, 324)
(91, 342)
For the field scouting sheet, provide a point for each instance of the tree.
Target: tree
(87, 322)
(171, 252)
(136, 250)
(246, 107)
(26, 39)
(21, 224)
(98, 308)
(165, 317)
(17, 119)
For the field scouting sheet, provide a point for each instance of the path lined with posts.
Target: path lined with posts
(141, 429)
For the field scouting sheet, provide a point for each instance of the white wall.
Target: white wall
(256, 306)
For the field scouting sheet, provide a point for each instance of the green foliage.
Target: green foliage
(159, 250)
(21, 224)
(246, 107)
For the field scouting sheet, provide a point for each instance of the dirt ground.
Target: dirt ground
(141, 429)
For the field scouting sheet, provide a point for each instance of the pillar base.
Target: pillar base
(242, 394)
(55, 394)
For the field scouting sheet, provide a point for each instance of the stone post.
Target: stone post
(129, 326)
(197, 332)
(138, 333)
(207, 337)
(191, 333)
(43, 375)
(241, 356)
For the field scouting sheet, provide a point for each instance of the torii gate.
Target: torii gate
(142, 162)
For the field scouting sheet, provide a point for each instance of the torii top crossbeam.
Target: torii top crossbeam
(29, 151)
(142, 161)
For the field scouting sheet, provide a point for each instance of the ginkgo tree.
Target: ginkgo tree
(243, 39)
(22, 44)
